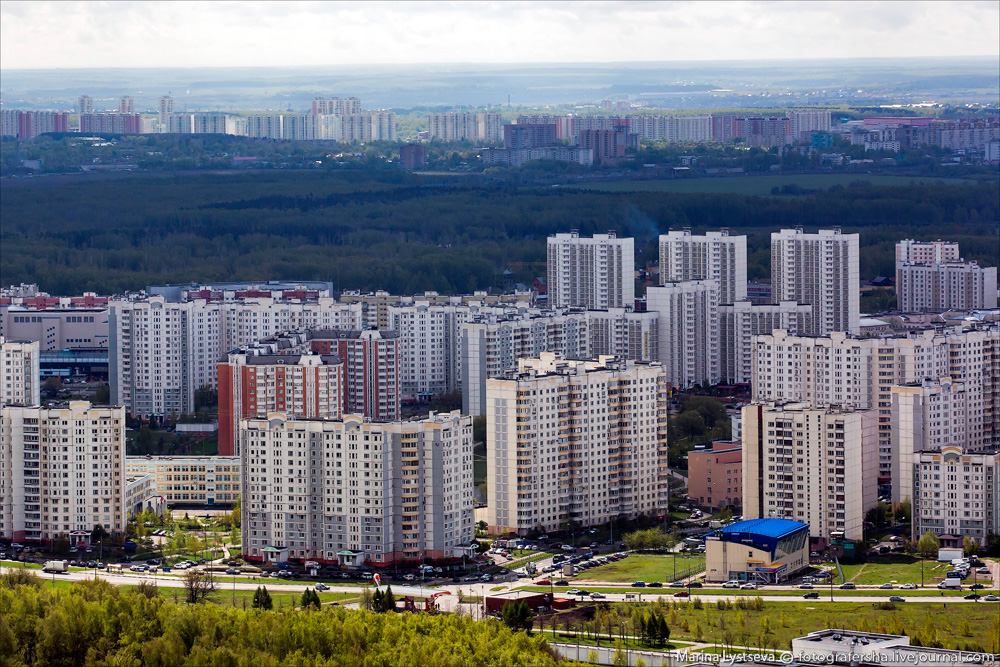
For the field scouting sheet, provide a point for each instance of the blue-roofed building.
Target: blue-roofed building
(759, 550)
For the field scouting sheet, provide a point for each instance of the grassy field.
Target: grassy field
(667, 592)
(761, 185)
(955, 626)
(643, 568)
(563, 637)
(895, 570)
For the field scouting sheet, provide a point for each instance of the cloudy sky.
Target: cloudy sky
(191, 34)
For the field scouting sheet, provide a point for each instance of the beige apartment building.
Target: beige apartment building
(715, 476)
(190, 480)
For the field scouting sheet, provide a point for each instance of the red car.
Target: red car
(682, 594)
(543, 582)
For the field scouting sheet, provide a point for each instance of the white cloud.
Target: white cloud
(193, 34)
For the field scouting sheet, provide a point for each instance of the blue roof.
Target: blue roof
(774, 528)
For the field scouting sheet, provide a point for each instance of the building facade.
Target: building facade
(956, 493)
(596, 273)
(190, 480)
(942, 286)
(820, 269)
(740, 322)
(580, 438)
(713, 256)
(61, 472)
(20, 382)
(688, 315)
(817, 466)
(356, 492)
(715, 476)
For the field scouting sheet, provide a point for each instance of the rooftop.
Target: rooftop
(776, 528)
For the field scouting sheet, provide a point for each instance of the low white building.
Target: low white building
(190, 480)
(141, 496)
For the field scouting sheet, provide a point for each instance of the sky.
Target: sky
(93, 34)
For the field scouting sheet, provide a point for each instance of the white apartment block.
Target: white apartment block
(491, 346)
(925, 416)
(61, 471)
(165, 109)
(126, 104)
(358, 492)
(596, 273)
(951, 285)
(20, 382)
(190, 480)
(713, 256)
(365, 126)
(56, 328)
(738, 324)
(956, 492)
(584, 438)
(805, 121)
(265, 126)
(335, 105)
(689, 341)
(671, 129)
(161, 352)
(619, 332)
(822, 270)
(430, 355)
(85, 104)
(814, 465)
(927, 252)
(838, 370)
(466, 126)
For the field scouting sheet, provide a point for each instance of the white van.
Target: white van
(731, 584)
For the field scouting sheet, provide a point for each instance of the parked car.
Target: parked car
(654, 584)
(908, 587)
(682, 594)
(811, 596)
(983, 570)
(886, 587)
(896, 598)
(750, 586)
(731, 584)
(562, 582)
(597, 596)
(848, 586)
(638, 584)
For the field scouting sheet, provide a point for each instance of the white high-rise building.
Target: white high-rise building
(953, 285)
(688, 324)
(812, 465)
(19, 373)
(805, 121)
(85, 104)
(466, 126)
(265, 126)
(430, 355)
(126, 104)
(583, 438)
(822, 270)
(622, 333)
(596, 273)
(356, 492)
(738, 324)
(838, 370)
(925, 415)
(927, 252)
(712, 256)
(61, 472)
(165, 111)
(956, 492)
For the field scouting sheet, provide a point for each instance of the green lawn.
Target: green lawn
(563, 637)
(667, 592)
(643, 568)
(956, 626)
(896, 570)
(761, 185)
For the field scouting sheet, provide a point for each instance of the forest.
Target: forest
(407, 233)
(93, 623)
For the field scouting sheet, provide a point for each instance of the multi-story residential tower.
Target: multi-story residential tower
(805, 121)
(371, 369)
(580, 438)
(953, 285)
(927, 252)
(811, 465)
(619, 332)
(741, 321)
(596, 273)
(358, 492)
(85, 104)
(165, 110)
(429, 352)
(838, 370)
(688, 314)
(822, 270)
(715, 476)
(126, 105)
(925, 415)
(956, 493)
(465, 126)
(712, 256)
(19, 378)
(61, 472)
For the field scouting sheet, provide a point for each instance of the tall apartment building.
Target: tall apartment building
(162, 351)
(619, 332)
(953, 285)
(165, 109)
(815, 465)
(371, 369)
(358, 492)
(30, 124)
(110, 123)
(336, 106)
(715, 476)
(190, 480)
(265, 126)
(688, 315)
(805, 121)
(596, 273)
(19, 378)
(126, 104)
(838, 370)
(926, 252)
(85, 104)
(255, 385)
(956, 493)
(713, 256)
(672, 129)
(608, 145)
(466, 126)
(491, 346)
(580, 438)
(740, 322)
(61, 472)
(365, 126)
(206, 123)
(429, 348)
(822, 270)
(926, 415)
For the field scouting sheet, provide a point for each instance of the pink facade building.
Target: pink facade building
(715, 476)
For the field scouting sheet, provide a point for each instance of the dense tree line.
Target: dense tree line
(93, 623)
(369, 230)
